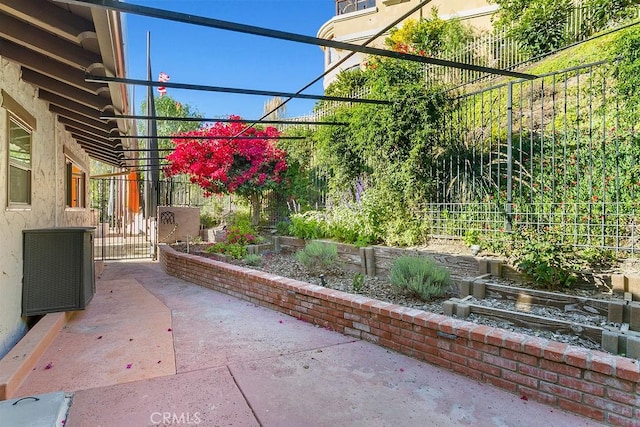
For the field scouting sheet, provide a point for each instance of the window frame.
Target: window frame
(14, 119)
(75, 179)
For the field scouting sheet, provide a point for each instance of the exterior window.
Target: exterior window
(347, 6)
(19, 163)
(76, 186)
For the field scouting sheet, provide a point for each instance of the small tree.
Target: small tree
(223, 165)
(170, 107)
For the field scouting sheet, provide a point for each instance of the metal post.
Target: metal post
(508, 206)
(152, 132)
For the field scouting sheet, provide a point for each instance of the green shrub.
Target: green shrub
(551, 263)
(343, 224)
(253, 259)
(239, 218)
(240, 235)
(404, 230)
(498, 244)
(597, 257)
(430, 35)
(236, 239)
(358, 282)
(216, 248)
(234, 250)
(471, 237)
(361, 220)
(309, 225)
(420, 275)
(606, 13)
(318, 257)
(539, 26)
(283, 228)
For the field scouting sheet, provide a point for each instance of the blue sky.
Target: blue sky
(198, 55)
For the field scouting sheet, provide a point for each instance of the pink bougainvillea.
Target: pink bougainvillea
(221, 165)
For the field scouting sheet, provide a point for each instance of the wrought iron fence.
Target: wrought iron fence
(554, 154)
(122, 231)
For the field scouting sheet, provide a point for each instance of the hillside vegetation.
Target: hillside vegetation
(438, 161)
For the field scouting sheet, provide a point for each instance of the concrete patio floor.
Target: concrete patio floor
(152, 349)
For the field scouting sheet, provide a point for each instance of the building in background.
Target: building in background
(357, 20)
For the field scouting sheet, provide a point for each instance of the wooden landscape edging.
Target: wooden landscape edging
(377, 260)
(624, 340)
(590, 383)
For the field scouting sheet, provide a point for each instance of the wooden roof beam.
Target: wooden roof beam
(69, 104)
(49, 67)
(48, 17)
(95, 123)
(96, 102)
(101, 154)
(89, 130)
(98, 142)
(46, 43)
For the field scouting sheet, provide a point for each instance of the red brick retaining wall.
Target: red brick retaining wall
(590, 383)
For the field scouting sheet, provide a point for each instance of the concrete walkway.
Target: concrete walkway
(155, 350)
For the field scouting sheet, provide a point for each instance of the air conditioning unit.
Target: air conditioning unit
(58, 273)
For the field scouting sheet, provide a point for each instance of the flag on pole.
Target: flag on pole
(163, 77)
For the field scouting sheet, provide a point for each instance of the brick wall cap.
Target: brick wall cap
(628, 369)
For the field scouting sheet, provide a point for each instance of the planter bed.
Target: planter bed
(590, 383)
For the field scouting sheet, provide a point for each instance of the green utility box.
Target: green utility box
(58, 272)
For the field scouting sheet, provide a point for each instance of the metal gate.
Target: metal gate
(122, 231)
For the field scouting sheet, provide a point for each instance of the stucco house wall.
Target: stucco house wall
(49, 145)
(357, 27)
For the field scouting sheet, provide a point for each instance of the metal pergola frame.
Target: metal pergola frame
(151, 12)
(207, 137)
(222, 120)
(282, 35)
(240, 91)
